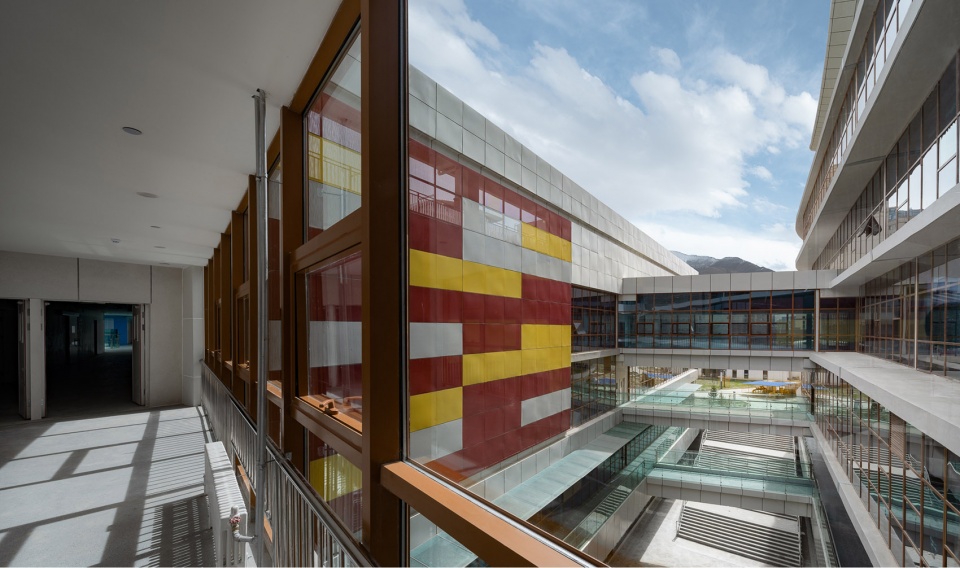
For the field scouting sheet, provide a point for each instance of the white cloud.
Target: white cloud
(765, 206)
(761, 173)
(668, 58)
(675, 143)
(774, 246)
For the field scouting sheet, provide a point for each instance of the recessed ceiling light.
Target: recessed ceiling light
(165, 263)
(115, 241)
(147, 194)
(132, 130)
(154, 226)
(159, 247)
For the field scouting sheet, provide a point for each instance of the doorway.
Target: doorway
(10, 359)
(91, 358)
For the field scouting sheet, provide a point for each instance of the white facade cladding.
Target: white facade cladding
(605, 247)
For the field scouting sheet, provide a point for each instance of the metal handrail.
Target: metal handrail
(305, 531)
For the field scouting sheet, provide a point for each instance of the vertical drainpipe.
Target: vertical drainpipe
(260, 484)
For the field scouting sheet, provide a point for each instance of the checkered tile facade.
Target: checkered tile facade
(489, 310)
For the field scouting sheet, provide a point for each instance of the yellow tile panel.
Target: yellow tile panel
(544, 359)
(537, 336)
(432, 408)
(483, 279)
(545, 243)
(334, 476)
(435, 271)
(485, 367)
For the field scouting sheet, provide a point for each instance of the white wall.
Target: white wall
(35, 276)
(165, 341)
(192, 345)
(50, 278)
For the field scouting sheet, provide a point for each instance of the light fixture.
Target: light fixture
(115, 241)
(132, 130)
(147, 194)
(154, 226)
(158, 247)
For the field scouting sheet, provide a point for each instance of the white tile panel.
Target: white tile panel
(511, 230)
(474, 245)
(449, 106)
(739, 282)
(761, 281)
(528, 159)
(682, 284)
(540, 407)
(700, 283)
(492, 223)
(543, 168)
(512, 148)
(543, 188)
(436, 441)
(512, 257)
(334, 343)
(450, 133)
(528, 179)
(782, 281)
(473, 147)
(495, 136)
(493, 252)
(435, 340)
(663, 284)
(422, 117)
(512, 170)
(493, 159)
(719, 282)
(805, 280)
(422, 87)
(473, 218)
(474, 122)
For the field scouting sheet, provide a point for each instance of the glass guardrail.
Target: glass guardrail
(740, 404)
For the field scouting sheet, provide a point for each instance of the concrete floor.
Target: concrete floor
(112, 490)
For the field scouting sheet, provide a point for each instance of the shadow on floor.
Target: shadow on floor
(117, 490)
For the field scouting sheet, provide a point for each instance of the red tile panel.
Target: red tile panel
(434, 374)
(449, 175)
(433, 305)
(493, 195)
(472, 185)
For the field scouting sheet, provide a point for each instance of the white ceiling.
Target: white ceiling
(74, 73)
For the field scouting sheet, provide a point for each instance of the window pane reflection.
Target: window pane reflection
(337, 481)
(334, 360)
(333, 146)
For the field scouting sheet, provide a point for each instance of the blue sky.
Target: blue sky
(691, 118)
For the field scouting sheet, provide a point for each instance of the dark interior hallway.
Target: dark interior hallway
(85, 373)
(9, 361)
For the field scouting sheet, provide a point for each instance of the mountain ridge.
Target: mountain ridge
(725, 265)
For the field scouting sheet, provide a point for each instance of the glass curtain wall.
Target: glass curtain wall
(594, 320)
(593, 388)
(919, 169)
(908, 481)
(780, 320)
(911, 314)
(877, 45)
